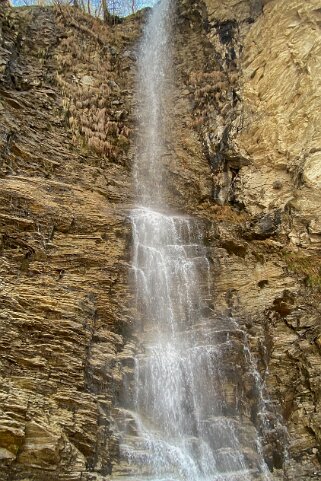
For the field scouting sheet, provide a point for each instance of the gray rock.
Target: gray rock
(113, 85)
(88, 81)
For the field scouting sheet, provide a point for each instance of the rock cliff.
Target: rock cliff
(244, 159)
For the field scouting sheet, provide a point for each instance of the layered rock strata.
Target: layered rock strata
(64, 243)
(243, 159)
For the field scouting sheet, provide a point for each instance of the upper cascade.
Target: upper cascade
(154, 87)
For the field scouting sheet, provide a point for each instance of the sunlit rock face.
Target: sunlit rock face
(244, 161)
(263, 146)
(281, 133)
(236, 10)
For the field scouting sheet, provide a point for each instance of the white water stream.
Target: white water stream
(183, 424)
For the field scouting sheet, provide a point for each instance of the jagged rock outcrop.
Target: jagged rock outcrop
(243, 158)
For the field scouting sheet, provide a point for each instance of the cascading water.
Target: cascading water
(183, 423)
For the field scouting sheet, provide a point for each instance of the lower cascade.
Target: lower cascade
(181, 420)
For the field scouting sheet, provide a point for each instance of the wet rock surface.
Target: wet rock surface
(243, 159)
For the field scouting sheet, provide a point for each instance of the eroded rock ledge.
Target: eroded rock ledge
(245, 160)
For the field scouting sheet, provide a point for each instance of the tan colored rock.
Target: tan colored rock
(227, 10)
(281, 97)
(247, 105)
(41, 448)
(63, 252)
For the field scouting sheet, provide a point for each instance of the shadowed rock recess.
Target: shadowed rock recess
(244, 159)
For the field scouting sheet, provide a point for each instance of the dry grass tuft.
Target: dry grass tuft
(209, 91)
(221, 213)
(307, 265)
(94, 78)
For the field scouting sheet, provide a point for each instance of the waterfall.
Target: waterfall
(154, 95)
(183, 422)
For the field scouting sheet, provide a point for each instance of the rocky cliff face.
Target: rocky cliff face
(244, 159)
(64, 242)
(267, 164)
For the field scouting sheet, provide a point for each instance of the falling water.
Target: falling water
(154, 95)
(183, 423)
